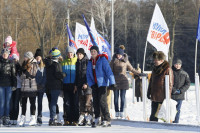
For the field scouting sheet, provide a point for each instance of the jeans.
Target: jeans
(49, 101)
(154, 109)
(54, 100)
(178, 108)
(14, 104)
(39, 101)
(116, 99)
(5, 96)
(32, 106)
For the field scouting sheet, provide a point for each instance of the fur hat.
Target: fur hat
(95, 48)
(8, 40)
(69, 50)
(178, 61)
(159, 55)
(80, 50)
(28, 55)
(38, 53)
(55, 53)
(5, 50)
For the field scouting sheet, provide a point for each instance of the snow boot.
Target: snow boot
(106, 124)
(88, 120)
(52, 122)
(1, 122)
(58, 120)
(32, 121)
(14, 123)
(6, 121)
(39, 121)
(80, 120)
(22, 121)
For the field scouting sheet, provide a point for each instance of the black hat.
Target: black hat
(95, 48)
(178, 61)
(80, 50)
(38, 53)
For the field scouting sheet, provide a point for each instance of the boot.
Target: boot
(22, 120)
(6, 121)
(52, 122)
(80, 120)
(11, 122)
(121, 114)
(88, 120)
(66, 123)
(32, 121)
(116, 114)
(106, 124)
(96, 122)
(58, 120)
(1, 122)
(14, 123)
(39, 120)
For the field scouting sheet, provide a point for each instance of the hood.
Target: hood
(48, 62)
(84, 58)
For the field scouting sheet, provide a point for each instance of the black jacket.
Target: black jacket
(7, 73)
(54, 75)
(182, 82)
(81, 68)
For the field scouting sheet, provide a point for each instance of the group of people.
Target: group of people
(83, 83)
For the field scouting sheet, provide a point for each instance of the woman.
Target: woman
(29, 87)
(119, 66)
(7, 82)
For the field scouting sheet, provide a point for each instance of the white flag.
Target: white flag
(158, 34)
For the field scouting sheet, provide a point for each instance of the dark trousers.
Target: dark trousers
(122, 94)
(178, 108)
(71, 103)
(85, 102)
(100, 102)
(32, 101)
(14, 104)
(49, 101)
(39, 102)
(154, 108)
(54, 99)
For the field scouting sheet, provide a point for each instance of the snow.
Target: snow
(134, 111)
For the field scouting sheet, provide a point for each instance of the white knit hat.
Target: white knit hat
(28, 55)
(8, 40)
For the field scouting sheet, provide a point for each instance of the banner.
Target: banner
(71, 39)
(158, 34)
(198, 28)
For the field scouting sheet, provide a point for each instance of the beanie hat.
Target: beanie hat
(5, 50)
(159, 55)
(8, 40)
(38, 53)
(51, 49)
(28, 55)
(95, 48)
(80, 50)
(55, 53)
(178, 61)
(69, 50)
(120, 51)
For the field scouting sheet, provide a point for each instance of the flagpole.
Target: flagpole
(195, 67)
(144, 57)
(112, 29)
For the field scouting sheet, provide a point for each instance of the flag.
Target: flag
(72, 42)
(198, 28)
(158, 34)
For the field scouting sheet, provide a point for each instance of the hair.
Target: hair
(159, 55)
(41, 65)
(122, 47)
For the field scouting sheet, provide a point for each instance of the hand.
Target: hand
(75, 89)
(113, 86)
(177, 92)
(84, 86)
(14, 88)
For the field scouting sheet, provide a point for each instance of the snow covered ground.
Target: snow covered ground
(188, 121)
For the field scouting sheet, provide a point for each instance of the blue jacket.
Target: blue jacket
(103, 71)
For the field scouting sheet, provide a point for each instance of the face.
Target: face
(25, 58)
(38, 58)
(5, 55)
(70, 55)
(7, 44)
(93, 53)
(80, 56)
(158, 62)
(119, 56)
(177, 66)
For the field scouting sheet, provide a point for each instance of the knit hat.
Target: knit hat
(80, 50)
(178, 61)
(5, 50)
(38, 53)
(69, 50)
(95, 48)
(51, 49)
(159, 55)
(8, 40)
(120, 51)
(55, 53)
(28, 55)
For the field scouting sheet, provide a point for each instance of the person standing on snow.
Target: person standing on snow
(71, 103)
(84, 91)
(156, 89)
(181, 85)
(99, 76)
(7, 82)
(119, 65)
(29, 87)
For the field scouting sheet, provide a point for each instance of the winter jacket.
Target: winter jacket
(156, 88)
(69, 68)
(81, 67)
(103, 72)
(41, 79)
(181, 82)
(119, 68)
(7, 73)
(13, 49)
(29, 86)
(54, 75)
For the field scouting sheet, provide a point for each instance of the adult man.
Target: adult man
(181, 85)
(156, 89)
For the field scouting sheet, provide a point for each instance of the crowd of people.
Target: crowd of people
(84, 84)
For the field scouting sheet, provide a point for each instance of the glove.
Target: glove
(177, 92)
(112, 87)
